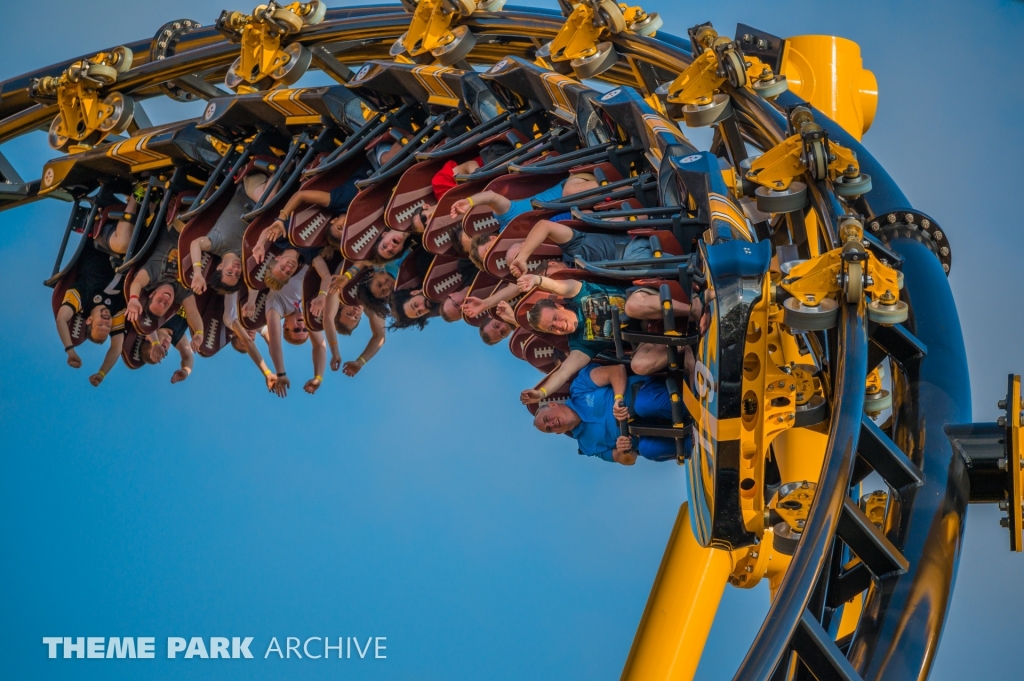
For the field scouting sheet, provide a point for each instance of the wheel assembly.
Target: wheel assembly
(797, 316)
(122, 111)
(299, 59)
(597, 63)
(456, 50)
(703, 115)
(788, 200)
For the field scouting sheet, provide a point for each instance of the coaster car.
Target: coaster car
(165, 159)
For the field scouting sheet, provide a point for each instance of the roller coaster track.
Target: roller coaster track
(907, 571)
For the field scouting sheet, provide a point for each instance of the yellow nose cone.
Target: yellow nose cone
(828, 72)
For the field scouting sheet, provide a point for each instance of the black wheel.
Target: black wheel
(787, 201)
(824, 315)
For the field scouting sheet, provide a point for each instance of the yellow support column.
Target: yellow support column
(680, 609)
(827, 71)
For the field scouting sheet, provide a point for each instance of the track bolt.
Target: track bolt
(1001, 404)
(1004, 522)
(753, 554)
(782, 384)
(1003, 505)
(801, 523)
(749, 568)
(1001, 421)
(1001, 464)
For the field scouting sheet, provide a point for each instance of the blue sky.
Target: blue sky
(415, 501)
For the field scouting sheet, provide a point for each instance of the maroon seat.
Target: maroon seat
(409, 277)
(442, 229)
(355, 276)
(496, 261)
(544, 354)
(515, 187)
(146, 323)
(76, 325)
(605, 172)
(558, 396)
(365, 221)
(307, 227)
(211, 309)
(197, 227)
(669, 244)
(131, 350)
(311, 289)
(517, 342)
(253, 272)
(413, 191)
(443, 278)
(178, 206)
(480, 220)
(483, 286)
(259, 318)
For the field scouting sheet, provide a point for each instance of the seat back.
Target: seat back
(131, 350)
(496, 262)
(443, 278)
(252, 271)
(259, 318)
(365, 221)
(197, 227)
(211, 309)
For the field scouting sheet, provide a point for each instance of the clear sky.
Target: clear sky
(415, 501)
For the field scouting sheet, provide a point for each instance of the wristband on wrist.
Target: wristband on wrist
(323, 293)
(68, 347)
(318, 377)
(618, 397)
(361, 360)
(279, 375)
(102, 373)
(543, 392)
(266, 372)
(471, 202)
(133, 296)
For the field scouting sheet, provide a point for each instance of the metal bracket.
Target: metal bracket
(85, 118)
(267, 60)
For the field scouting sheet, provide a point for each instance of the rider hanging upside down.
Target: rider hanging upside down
(599, 398)
(284, 320)
(97, 294)
(158, 277)
(585, 317)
